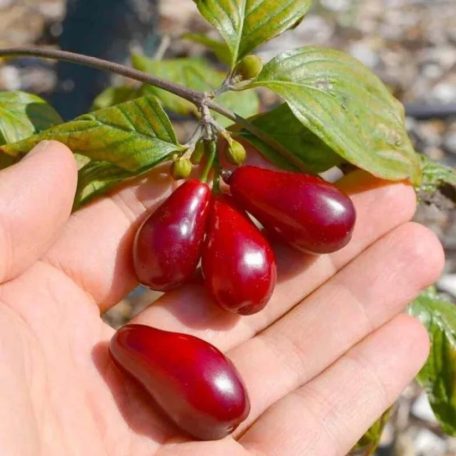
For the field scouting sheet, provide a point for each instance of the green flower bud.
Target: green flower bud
(249, 67)
(236, 153)
(198, 153)
(181, 168)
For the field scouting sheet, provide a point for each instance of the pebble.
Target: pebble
(448, 284)
(449, 142)
(365, 54)
(427, 443)
(444, 92)
(422, 409)
(337, 5)
(10, 78)
(5, 3)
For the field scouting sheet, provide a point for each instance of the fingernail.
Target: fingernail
(37, 149)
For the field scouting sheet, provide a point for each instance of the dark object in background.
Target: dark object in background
(102, 28)
(422, 111)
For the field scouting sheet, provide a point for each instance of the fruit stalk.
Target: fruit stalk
(211, 153)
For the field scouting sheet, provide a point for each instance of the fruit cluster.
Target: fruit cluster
(238, 263)
(195, 384)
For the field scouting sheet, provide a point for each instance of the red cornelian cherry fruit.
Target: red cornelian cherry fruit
(238, 263)
(168, 245)
(196, 386)
(302, 210)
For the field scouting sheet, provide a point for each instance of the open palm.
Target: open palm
(330, 352)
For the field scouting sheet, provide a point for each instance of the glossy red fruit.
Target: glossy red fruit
(303, 210)
(167, 247)
(196, 386)
(238, 263)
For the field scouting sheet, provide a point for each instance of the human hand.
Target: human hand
(328, 355)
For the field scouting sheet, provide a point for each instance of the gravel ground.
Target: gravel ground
(410, 44)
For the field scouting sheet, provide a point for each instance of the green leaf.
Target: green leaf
(438, 376)
(245, 24)
(370, 441)
(7, 160)
(283, 126)
(437, 177)
(115, 95)
(245, 103)
(219, 48)
(96, 178)
(195, 74)
(347, 107)
(22, 115)
(133, 136)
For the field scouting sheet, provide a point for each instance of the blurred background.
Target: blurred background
(410, 44)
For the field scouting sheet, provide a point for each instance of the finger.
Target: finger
(328, 415)
(363, 296)
(190, 309)
(95, 248)
(36, 196)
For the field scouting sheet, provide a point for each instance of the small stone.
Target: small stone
(332, 174)
(336, 5)
(53, 10)
(10, 78)
(427, 443)
(404, 445)
(432, 71)
(445, 92)
(6, 3)
(449, 142)
(364, 54)
(38, 79)
(448, 284)
(388, 434)
(430, 133)
(422, 409)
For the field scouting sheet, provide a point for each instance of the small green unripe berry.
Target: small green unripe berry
(249, 67)
(181, 168)
(198, 153)
(236, 153)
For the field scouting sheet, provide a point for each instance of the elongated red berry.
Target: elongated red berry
(303, 210)
(196, 386)
(238, 263)
(167, 247)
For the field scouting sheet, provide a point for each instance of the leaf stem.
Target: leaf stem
(260, 134)
(200, 99)
(211, 153)
(191, 143)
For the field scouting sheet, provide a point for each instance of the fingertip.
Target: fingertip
(63, 152)
(417, 337)
(402, 195)
(398, 199)
(422, 252)
(58, 155)
(59, 167)
(36, 198)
